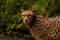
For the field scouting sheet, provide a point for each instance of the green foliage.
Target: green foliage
(10, 15)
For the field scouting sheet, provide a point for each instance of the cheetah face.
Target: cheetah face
(27, 16)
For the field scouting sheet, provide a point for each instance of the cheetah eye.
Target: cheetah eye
(29, 15)
(23, 15)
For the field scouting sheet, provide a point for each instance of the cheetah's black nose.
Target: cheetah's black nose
(26, 21)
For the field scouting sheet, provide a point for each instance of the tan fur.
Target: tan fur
(42, 28)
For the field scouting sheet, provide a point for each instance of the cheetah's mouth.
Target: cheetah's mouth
(28, 21)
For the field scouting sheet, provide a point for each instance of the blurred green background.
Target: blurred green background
(10, 15)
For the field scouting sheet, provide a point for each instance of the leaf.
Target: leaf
(19, 25)
(10, 26)
(19, 19)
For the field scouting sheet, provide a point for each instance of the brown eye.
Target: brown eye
(23, 15)
(29, 15)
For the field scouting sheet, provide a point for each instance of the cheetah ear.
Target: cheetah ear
(34, 11)
(22, 10)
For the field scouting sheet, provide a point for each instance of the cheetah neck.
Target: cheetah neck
(37, 19)
(33, 21)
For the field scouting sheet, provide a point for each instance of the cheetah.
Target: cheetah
(41, 27)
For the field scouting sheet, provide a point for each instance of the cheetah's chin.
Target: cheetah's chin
(26, 22)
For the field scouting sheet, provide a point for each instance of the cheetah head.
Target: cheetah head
(27, 16)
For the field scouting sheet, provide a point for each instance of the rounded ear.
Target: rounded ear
(34, 10)
(22, 10)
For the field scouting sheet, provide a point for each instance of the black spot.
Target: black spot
(55, 30)
(55, 36)
(42, 28)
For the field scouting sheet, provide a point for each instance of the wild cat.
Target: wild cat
(41, 27)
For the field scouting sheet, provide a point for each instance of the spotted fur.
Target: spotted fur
(45, 28)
